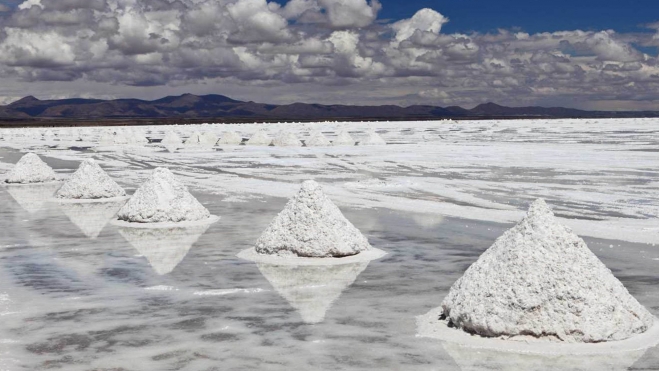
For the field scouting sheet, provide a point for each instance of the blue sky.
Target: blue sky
(575, 53)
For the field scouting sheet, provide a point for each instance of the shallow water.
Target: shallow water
(73, 302)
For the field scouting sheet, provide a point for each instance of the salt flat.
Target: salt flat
(434, 197)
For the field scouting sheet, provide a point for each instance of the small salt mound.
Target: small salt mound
(162, 198)
(30, 169)
(373, 139)
(208, 139)
(260, 138)
(311, 226)
(172, 138)
(317, 139)
(230, 138)
(540, 280)
(194, 139)
(107, 138)
(286, 139)
(90, 182)
(344, 139)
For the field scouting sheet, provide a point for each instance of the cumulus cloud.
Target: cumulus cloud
(302, 45)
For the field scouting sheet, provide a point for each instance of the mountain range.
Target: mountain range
(189, 106)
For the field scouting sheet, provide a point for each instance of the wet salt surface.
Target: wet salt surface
(72, 303)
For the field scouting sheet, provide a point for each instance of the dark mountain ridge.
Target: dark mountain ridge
(189, 106)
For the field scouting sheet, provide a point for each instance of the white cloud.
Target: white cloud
(425, 20)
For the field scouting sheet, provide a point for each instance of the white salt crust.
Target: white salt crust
(260, 138)
(372, 139)
(230, 138)
(429, 326)
(90, 182)
(344, 139)
(540, 281)
(286, 139)
(30, 169)
(317, 139)
(311, 226)
(163, 199)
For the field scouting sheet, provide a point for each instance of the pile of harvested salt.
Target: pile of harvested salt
(311, 226)
(260, 138)
(162, 199)
(90, 182)
(372, 139)
(344, 139)
(107, 138)
(317, 139)
(539, 280)
(30, 169)
(208, 139)
(230, 138)
(171, 138)
(286, 139)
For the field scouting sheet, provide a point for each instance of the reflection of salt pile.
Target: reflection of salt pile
(344, 139)
(311, 289)
(286, 139)
(163, 199)
(317, 139)
(260, 138)
(484, 359)
(90, 182)
(372, 139)
(91, 217)
(230, 138)
(539, 281)
(311, 226)
(164, 248)
(33, 197)
(30, 169)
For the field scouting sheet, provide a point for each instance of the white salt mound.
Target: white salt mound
(260, 138)
(90, 182)
(107, 138)
(171, 138)
(540, 280)
(286, 139)
(230, 138)
(344, 139)
(311, 226)
(372, 139)
(194, 139)
(161, 199)
(208, 139)
(30, 169)
(317, 139)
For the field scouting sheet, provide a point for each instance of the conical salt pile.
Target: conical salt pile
(230, 138)
(286, 139)
(372, 139)
(30, 169)
(194, 139)
(260, 138)
(540, 280)
(344, 139)
(172, 138)
(311, 226)
(311, 289)
(90, 182)
(208, 139)
(317, 139)
(161, 199)
(107, 138)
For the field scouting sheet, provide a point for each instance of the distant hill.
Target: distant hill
(189, 106)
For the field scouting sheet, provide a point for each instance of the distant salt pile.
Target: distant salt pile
(372, 139)
(208, 139)
(194, 140)
(286, 139)
(48, 135)
(311, 226)
(136, 137)
(540, 281)
(90, 182)
(107, 138)
(171, 138)
(230, 138)
(163, 199)
(344, 139)
(30, 169)
(260, 138)
(317, 139)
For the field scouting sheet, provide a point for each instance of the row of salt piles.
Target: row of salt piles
(122, 137)
(261, 138)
